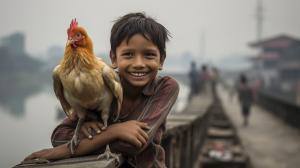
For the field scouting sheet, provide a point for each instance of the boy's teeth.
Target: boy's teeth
(138, 74)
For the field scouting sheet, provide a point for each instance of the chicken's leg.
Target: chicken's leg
(75, 140)
(108, 154)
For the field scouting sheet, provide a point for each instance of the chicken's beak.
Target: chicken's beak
(70, 41)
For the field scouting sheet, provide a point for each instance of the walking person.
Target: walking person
(194, 80)
(204, 79)
(245, 98)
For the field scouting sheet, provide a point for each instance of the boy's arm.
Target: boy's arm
(130, 131)
(85, 146)
(63, 132)
(154, 114)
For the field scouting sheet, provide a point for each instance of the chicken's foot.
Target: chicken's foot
(75, 139)
(108, 154)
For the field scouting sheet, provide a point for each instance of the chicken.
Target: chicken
(84, 83)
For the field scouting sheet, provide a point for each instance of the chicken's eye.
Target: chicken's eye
(78, 34)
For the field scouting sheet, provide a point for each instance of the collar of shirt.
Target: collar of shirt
(149, 89)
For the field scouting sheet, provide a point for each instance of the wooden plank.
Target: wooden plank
(78, 162)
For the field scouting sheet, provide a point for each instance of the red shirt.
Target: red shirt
(152, 106)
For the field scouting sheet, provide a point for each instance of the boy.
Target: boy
(137, 52)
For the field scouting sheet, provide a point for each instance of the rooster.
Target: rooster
(84, 83)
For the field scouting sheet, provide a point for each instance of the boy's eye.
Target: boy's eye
(150, 55)
(127, 54)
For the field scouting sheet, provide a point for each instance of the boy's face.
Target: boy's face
(138, 60)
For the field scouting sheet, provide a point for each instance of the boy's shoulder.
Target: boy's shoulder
(168, 81)
(161, 83)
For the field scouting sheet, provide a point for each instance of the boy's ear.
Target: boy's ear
(161, 64)
(113, 60)
(160, 67)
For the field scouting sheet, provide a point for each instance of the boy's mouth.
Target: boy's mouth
(138, 74)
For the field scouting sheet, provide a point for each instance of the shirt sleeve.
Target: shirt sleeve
(154, 114)
(64, 132)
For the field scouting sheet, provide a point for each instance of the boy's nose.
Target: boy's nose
(138, 62)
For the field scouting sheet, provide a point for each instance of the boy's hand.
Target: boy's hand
(132, 132)
(58, 152)
(90, 128)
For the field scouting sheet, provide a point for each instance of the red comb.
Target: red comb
(73, 24)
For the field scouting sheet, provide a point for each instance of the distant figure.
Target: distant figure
(214, 78)
(245, 97)
(194, 80)
(257, 85)
(204, 78)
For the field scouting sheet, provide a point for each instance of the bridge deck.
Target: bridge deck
(269, 142)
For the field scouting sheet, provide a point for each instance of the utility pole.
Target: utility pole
(259, 19)
(259, 30)
(202, 46)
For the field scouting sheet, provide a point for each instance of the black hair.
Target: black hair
(204, 67)
(138, 23)
(243, 78)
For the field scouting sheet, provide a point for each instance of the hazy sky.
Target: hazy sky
(226, 26)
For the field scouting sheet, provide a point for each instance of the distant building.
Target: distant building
(15, 43)
(13, 55)
(279, 63)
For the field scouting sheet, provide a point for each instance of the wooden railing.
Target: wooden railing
(186, 132)
(284, 109)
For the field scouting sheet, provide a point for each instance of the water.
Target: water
(182, 98)
(28, 116)
(28, 132)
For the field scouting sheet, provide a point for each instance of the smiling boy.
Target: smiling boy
(138, 51)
